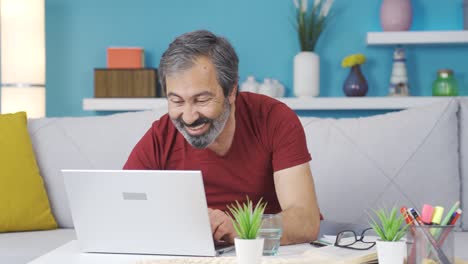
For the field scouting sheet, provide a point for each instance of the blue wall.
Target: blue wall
(78, 33)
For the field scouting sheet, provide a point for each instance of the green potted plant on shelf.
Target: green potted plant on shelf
(310, 21)
(247, 221)
(391, 228)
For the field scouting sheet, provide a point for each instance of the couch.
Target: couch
(410, 157)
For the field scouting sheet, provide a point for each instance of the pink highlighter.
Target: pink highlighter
(427, 213)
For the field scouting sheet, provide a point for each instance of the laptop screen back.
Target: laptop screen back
(140, 212)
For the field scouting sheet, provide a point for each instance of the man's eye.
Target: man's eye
(176, 101)
(202, 100)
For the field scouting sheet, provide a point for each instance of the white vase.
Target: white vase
(390, 252)
(249, 251)
(249, 85)
(267, 88)
(279, 88)
(306, 74)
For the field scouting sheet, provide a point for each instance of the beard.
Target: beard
(216, 126)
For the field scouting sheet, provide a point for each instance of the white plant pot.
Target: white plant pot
(249, 251)
(390, 252)
(306, 74)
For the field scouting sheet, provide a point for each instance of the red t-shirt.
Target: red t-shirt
(268, 137)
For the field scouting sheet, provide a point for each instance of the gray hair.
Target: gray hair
(185, 49)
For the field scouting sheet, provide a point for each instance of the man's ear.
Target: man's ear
(233, 94)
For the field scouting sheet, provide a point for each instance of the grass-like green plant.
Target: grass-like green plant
(310, 21)
(246, 219)
(391, 226)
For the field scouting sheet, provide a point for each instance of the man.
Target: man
(245, 144)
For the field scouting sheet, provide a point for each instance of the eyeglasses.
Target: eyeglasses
(349, 239)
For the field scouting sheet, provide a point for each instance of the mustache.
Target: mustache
(198, 122)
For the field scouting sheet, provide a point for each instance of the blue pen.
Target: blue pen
(416, 216)
(451, 218)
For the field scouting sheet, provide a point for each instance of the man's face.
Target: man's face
(197, 105)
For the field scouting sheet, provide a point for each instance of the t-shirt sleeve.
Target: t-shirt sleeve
(287, 137)
(143, 155)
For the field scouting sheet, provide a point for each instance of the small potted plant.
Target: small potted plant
(355, 84)
(391, 228)
(247, 221)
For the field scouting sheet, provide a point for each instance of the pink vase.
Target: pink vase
(396, 15)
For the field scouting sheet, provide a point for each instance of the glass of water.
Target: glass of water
(271, 231)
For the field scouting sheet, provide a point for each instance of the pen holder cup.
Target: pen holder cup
(430, 244)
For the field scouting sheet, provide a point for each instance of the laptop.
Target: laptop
(140, 212)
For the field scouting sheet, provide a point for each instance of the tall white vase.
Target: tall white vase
(306, 74)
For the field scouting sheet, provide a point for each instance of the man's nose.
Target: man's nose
(190, 114)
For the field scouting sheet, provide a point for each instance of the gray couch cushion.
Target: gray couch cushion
(22, 247)
(464, 159)
(403, 158)
(98, 142)
(461, 244)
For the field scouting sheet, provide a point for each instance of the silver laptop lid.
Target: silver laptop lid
(140, 212)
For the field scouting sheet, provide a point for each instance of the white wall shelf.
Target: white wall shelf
(320, 103)
(123, 104)
(417, 37)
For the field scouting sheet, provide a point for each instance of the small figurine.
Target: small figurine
(399, 78)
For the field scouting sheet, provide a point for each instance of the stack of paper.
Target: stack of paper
(334, 254)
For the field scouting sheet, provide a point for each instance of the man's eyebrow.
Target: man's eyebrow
(205, 93)
(173, 94)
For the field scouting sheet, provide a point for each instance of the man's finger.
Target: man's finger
(215, 223)
(221, 232)
(215, 220)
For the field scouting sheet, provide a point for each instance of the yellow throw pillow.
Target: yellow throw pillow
(23, 199)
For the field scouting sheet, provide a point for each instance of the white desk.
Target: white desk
(70, 254)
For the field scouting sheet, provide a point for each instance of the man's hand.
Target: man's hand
(221, 226)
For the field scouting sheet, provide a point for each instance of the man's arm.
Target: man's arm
(296, 195)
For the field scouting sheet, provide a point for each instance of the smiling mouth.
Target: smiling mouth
(198, 130)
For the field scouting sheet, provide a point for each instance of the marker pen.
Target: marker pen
(457, 213)
(450, 214)
(427, 214)
(416, 217)
(437, 216)
(404, 213)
